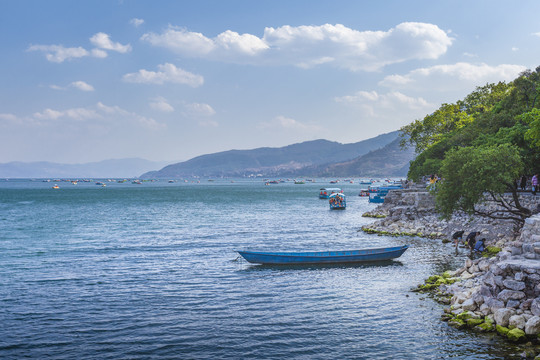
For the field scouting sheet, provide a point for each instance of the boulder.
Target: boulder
(517, 321)
(512, 304)
(502, 316)
(514, 285)
(493, 304)
(535, 306)
(506, 295)
(468, 305)
(532, 327)
(516, 335)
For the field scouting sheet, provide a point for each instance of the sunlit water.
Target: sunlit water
(150, 271)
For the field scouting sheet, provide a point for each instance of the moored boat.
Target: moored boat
(337, 201)
(324, 257)
(325, 193)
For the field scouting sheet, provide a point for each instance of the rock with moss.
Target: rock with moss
(491, 251)
(502, 330)
(516, 335)
(474, 322)
(457, 323)
(484, 327)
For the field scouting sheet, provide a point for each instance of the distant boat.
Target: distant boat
(323, 257)
(377, 194)
(299, 182)
(56, 186)
(337, 201)
(364, 192)
(325, 193)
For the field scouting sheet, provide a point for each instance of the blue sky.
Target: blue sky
(86, 81)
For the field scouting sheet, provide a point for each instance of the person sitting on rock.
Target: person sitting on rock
(457, 237)
(480, 245)
(471, 240)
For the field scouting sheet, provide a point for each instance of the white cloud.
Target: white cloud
(392, 109)
(208, 123)
(103, 41)
(81, 85)
(78, 114)
(310, 46)
(136, 22)
(285, 123)
(98, 114)
(445, 77)
(160, 104)
(515, 49)
(99, 53)
(199, 110)
(119, 112)
(8, 117)
(58, 53)
(168, 73)
(536, 34)
(392, 99)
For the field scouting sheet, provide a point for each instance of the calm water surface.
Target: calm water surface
(150, 271)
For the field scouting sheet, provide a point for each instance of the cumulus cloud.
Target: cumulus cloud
(168, 73)
(285, 123)
(98, 114)
(199, 110)
(59, 53)
(136, 22)
(453, 76)
(208, 123)
(393, 109)
(161, 104)
(310, 46)
(78, 114)
(103, 41)
(81, 85)
(537, 34)
(8, 118)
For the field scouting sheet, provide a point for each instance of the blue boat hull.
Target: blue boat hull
(323, 257)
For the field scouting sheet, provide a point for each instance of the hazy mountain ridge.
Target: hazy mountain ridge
(390, 160)
(114, 168)
(305, 158)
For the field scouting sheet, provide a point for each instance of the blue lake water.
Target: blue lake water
(150, 272)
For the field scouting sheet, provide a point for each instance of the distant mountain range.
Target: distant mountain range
(118, 168)
(310, 158)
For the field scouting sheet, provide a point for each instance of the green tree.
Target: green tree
(424, 133)
(474, 175)
(532, 118)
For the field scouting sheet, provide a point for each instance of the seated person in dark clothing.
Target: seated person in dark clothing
(471, 240)
(480, 245)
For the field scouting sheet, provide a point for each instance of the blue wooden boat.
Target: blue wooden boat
(323, 257)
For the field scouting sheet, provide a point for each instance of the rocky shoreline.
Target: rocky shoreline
(498, 294)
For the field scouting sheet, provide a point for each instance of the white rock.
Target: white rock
(502, 316)
(517, 321)
(532, 327)
(468, 305)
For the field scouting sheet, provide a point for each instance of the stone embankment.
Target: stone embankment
(503, 290)
(412, 212)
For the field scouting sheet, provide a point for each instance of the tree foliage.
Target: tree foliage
(481, 144)
(473, 175)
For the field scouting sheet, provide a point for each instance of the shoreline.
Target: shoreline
(499, 293)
